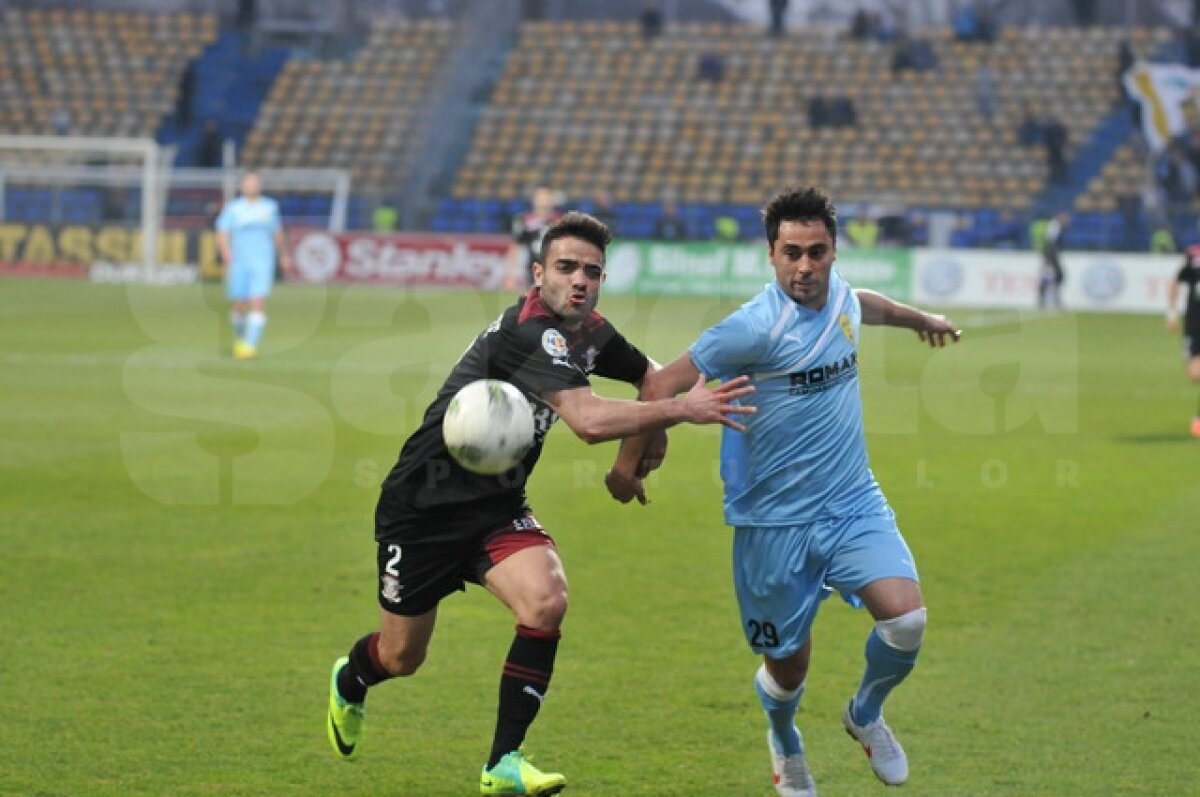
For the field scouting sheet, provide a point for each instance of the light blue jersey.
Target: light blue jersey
(808, 514)
(803, 456)
(251, 227)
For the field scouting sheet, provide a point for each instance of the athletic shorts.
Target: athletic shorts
(782, 573)
(249, 281)
(415, 576)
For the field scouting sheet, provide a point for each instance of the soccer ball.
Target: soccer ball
(488, 426)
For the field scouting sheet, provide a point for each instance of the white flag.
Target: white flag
(1165, 92)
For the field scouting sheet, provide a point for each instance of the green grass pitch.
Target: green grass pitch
(186, 547)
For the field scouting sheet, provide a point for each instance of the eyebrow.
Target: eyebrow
(566, 261)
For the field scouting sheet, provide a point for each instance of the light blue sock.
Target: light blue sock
(886, 668)
(780, 707)
(237, 320)
(256, 322)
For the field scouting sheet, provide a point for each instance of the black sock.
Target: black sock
(523, 685)
(363, 670)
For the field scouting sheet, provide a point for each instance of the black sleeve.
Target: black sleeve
(619, 359)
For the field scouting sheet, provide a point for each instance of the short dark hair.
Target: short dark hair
(576, 225)
(799, 204)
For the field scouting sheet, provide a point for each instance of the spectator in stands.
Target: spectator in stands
(842, 112)
(651, 20)
(208, 149)
(710, 67)
(1191, 45)
(863, 25)
(247, 14)
(603, 210)
(913, 54)
(1085, 12)
(1162, 241)
(671, 226)
(187, 90)
(964, 19)
(1007, 232)
(385, 217)
(862, 230)
(778, 16)
(527, 231)
(893, 26)
(1054, 137)
(818, 112)
(250, 239)
(987, 95)
(1029, 129)
(1050, 280)
(1126, 58)
(726, 229)
(1129, 209)
(60, 120)
(1178, 178)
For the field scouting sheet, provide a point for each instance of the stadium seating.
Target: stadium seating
(608, 110)
(94, 72)
(355, 113)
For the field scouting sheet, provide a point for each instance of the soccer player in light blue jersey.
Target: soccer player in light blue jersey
(807, 513)
(250, 239)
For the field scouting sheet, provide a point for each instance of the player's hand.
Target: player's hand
(937, 330)
(715, 405)
(1172, 323)
(625, 488)
(654, 453)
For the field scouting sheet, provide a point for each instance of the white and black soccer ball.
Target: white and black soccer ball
(488, 426)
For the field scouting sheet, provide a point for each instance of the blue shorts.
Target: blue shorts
(249, 281)
(782, 573)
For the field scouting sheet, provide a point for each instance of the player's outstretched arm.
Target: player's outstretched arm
(595, 419)
(931, 328)
(635, 459)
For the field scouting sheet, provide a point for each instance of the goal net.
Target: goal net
(116, 207)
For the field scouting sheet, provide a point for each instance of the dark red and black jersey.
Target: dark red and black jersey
(528, 229)
(527, 347)
(1189, 275)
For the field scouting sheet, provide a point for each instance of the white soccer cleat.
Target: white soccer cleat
(879, 743)
(790, 773)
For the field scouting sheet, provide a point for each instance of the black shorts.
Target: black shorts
(415, 573)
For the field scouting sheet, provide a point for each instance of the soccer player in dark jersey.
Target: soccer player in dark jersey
(438, 526)
(1188, 276)
(527, 231)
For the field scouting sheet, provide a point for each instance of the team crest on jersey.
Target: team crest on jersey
(554, 343)
(847, 327)
(389, 588)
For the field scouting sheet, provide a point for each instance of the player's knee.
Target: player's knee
(1194, 369)
(545, 610)
(904, 632)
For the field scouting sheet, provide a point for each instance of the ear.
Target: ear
(538, 270)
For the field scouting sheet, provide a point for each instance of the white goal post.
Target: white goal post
(141, 163)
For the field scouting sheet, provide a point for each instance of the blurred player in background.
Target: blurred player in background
(1189, 277)
(527, 231)
(799, 492)
(1050, 279)
(438, 526)
(250, 239)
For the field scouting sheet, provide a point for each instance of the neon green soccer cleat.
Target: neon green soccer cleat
(344, 723)
(244, 351)
(513, 774)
